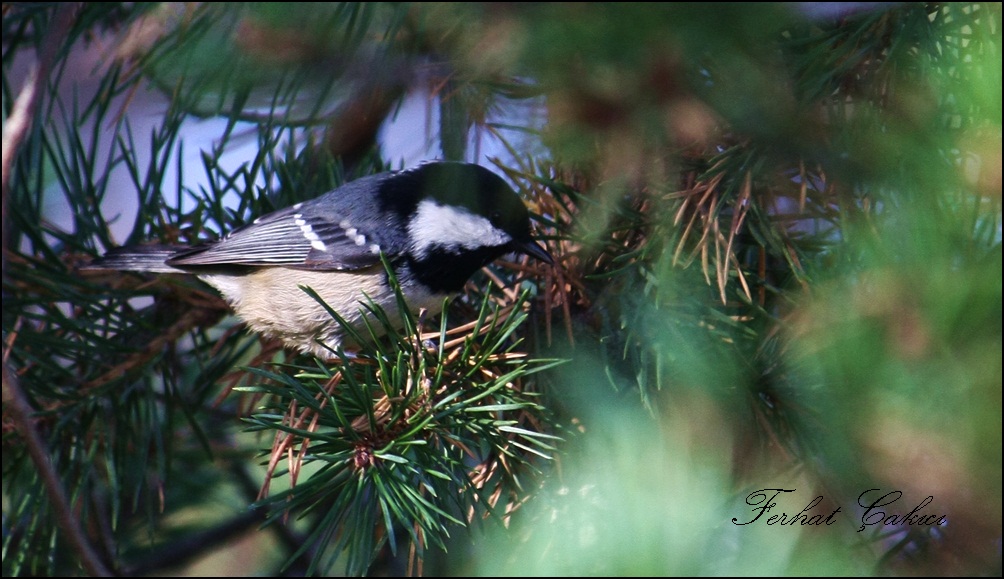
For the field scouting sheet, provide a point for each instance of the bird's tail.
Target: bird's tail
(137, 258)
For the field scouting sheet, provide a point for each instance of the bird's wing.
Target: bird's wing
(292, 237)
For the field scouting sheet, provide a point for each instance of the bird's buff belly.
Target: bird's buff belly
(271, 303)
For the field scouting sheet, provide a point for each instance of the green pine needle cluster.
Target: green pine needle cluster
(777, 230)
(408, 437)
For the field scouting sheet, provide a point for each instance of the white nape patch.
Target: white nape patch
(451, 227)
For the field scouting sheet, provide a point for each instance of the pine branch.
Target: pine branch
(183, 551)
(778, 238)
(397, 427)
(21, 413)
(26, 104)
(16, 128)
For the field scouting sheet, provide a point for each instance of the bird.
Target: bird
(436, 224)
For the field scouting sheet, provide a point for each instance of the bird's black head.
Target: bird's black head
(460, 217)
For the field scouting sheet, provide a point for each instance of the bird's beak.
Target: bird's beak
(534, 249)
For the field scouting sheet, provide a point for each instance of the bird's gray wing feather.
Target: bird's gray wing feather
(290, 237)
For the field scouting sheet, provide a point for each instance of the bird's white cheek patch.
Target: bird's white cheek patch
(451, 227)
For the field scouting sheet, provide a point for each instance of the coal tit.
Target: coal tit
(437, 224)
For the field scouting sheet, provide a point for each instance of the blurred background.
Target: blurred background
(777, 229)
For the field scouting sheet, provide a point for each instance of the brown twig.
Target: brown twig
(185, 323)
(21, 413)
(16, 127)
(23, 112)
(183, 551)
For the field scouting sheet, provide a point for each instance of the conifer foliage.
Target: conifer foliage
(777, 232)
